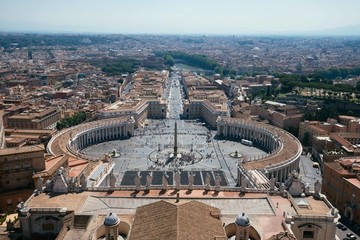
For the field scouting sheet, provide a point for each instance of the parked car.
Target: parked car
(339, 225)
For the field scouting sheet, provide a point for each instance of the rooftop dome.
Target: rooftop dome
(111, 219)
(242, 220)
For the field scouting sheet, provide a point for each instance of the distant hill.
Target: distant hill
(353, 30)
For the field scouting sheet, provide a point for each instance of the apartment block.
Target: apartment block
(341, 185)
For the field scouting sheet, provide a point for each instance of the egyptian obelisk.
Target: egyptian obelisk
(175, 140)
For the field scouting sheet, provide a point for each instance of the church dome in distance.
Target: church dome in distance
(242, 220)
(111, 219)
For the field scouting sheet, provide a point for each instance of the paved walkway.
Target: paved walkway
(230, 204)
(135, 151)
(96, 173)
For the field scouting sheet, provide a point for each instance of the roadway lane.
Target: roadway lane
(308, 173)
(175, 104)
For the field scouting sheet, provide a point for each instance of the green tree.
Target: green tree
(219, 70)
(81, 75)
(76, 119)
(169, 60)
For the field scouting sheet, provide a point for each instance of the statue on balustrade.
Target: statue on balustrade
(149, 179)
(137, 181)
(165, 180)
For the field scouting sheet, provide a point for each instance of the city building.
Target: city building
(352, 123)
(17, 166)
(39, 118)
(279, 114)
(144, 100)
(320, 129)
(336, 145)
(341, 185)
(204, 100)
(20, 137)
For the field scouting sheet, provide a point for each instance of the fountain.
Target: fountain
(114, 154)
(236, 154)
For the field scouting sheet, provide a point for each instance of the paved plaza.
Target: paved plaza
(158, 136)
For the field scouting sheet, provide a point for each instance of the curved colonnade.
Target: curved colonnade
(283, 149)
(70, 141)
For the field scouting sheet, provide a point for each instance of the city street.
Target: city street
(342, 234)
(308, 173)
(174, 97)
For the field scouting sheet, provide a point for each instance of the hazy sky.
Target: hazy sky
(181, 16)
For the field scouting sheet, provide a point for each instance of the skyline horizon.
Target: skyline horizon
(319, 33)
(231, 17)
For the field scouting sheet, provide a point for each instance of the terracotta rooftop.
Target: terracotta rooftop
(25, 149)
(346, 162)
(318, 129)
(342, 141)
(350, 163)
(354, 181)
(338, 168)
(315, 207)
(30, 131)
(51, 166)
(71, 201)
(77, 166)
(164, 220)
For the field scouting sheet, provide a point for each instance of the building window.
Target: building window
(308, 234)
